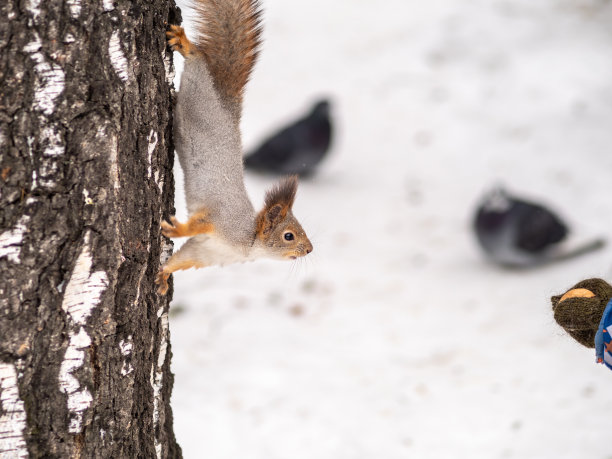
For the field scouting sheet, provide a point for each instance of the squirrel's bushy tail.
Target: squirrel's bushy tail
(228, 34)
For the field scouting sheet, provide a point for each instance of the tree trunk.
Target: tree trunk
(85, 176)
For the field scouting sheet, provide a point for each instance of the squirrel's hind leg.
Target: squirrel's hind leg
(178, 41)
(198, 223)
(176, 263)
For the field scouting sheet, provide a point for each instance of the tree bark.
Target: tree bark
(85, 176)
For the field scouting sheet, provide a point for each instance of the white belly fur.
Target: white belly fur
(215, 251)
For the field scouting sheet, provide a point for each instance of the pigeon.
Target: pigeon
(298, 148)
(517, 233)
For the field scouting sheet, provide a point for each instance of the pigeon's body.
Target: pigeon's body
(518, 233)
(296, 149)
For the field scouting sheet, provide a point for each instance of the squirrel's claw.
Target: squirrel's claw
(162, 281)
(174, 37)
(171, 229)
(178, 41)
(198, 223)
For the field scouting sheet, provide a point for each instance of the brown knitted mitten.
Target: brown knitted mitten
(579, 310)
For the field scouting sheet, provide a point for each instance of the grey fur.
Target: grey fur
(209, 147)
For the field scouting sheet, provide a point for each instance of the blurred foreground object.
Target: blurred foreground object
(517, 233)
(585, 312)
(298, 148)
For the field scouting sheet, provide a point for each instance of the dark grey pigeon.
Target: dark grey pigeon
(518, 233)
(297, 148)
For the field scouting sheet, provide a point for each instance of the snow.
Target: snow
(395, 338)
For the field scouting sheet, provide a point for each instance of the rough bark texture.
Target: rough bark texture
(85, 176)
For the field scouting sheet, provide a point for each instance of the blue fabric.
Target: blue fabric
(603, 346)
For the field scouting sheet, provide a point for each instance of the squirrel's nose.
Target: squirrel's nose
(308, 249)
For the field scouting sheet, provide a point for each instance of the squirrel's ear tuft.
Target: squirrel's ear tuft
(278, 203)
(282, 194)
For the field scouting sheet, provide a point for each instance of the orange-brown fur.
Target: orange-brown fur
(277, 204)
(229, 44)
(162, 276)
(178, 41)
(197, 224)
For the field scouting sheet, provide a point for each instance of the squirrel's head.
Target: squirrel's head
(278, 231)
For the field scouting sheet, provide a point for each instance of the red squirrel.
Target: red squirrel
(223, 226)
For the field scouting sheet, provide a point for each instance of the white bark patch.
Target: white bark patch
(108, 136)
(47, 172)
(78, 399)
(168, 67)
(11, 14)
(11, 241)
(3, 136)
(152, 145)
(51, 141)
(126, 347)
(85, 288)
(82, 295)
(30, 142)
(108, 5)
(114, 165)
(117, 58)
(74, 6)
(73, 359)
(157, 373)
(33, 6)
(34, 45)
(163, 347)
(166, 252)
(13, 419)
(126, 368)
(50, 79)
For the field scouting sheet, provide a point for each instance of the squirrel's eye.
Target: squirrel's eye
(289, 236)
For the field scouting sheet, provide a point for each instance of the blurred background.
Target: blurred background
(397, 337)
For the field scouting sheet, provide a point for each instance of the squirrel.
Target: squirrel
(223, 224)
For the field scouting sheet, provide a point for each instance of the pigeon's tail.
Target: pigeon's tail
(556, 254)
(586, 247)
(250, 161)
(257, 163)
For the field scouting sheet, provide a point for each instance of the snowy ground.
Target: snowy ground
(395, 338)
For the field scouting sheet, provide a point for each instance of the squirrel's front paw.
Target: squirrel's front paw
(172, 229)
(162, 282)
(175, 36)
(178, 41)
(198, 223)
